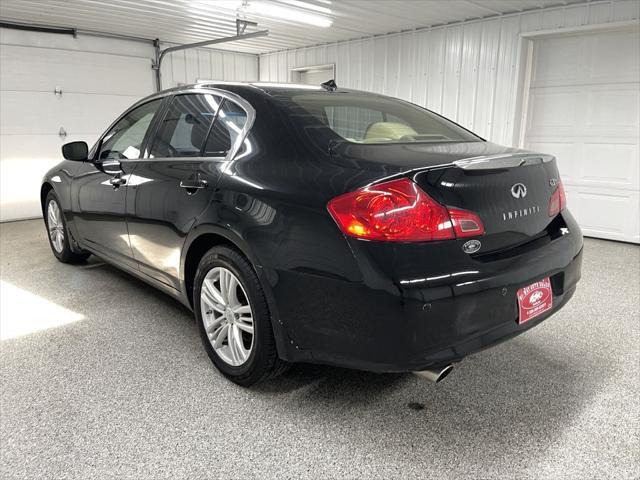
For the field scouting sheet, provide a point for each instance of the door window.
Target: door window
(226, 129)
(185, 126)
(124, 140)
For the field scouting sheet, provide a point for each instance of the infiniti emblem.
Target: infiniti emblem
(519, 190)
(472, 246)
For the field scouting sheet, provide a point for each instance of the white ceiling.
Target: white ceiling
(186, 21)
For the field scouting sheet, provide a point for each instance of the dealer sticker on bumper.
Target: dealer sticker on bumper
(534, 300)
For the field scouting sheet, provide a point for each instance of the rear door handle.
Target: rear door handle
(193, 184)
(117, 181)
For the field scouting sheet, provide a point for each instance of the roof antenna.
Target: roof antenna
(330, 85)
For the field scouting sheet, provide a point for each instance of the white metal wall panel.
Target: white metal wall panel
(469, 72)
(188, 66)
(584, 107)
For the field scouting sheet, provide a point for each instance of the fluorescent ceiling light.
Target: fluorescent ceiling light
(307, 6)
(288, 13)
(294, 11)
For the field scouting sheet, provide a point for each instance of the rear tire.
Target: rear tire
(58, 233)
(233, 318)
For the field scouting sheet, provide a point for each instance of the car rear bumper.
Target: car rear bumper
(389, 326)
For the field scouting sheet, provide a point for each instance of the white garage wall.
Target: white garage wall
(188, 66)
(99, 78)
(469, 72)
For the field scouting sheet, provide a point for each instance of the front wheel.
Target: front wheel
(58, 233)
(233, 318)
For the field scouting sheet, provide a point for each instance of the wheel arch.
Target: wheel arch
(204, 237)
(44, 191)
(199, 241)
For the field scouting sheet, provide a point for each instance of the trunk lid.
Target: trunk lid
(508, 188)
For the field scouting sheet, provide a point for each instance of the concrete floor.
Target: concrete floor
(102, 376)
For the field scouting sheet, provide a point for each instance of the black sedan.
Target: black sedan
(320, 224)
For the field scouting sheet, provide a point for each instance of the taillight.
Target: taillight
(465, 223)
(399, 211)
(558, 201)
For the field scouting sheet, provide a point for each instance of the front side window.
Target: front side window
(366, 118)
(226, 129)
(124, 140)
(184, 129)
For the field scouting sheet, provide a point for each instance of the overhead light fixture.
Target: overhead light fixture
(307, 6)
(295, 13)
(294, 10)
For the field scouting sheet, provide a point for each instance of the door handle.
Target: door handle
(193, 185)
(117, 181)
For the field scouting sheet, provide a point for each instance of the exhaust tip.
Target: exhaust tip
(435, 375)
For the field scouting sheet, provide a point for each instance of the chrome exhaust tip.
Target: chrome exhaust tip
(435, 375)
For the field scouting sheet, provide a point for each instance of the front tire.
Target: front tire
(58, 233)
(233, 318)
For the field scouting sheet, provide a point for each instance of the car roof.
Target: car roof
(273, 87)
(269, 88)
(247, 89)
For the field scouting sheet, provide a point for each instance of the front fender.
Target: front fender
(59, 177)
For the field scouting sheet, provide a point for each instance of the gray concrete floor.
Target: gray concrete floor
(102, 376)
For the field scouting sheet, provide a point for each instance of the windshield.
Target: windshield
(363, 118)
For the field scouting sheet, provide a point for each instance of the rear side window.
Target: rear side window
(124, 140)
(184, 128)
(226, 129)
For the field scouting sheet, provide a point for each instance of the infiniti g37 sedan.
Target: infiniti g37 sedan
(320, 224)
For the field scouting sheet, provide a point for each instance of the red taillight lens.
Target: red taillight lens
(399, 211)
(558, 201)
(465, 223)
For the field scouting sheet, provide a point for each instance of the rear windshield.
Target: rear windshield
(365, 118)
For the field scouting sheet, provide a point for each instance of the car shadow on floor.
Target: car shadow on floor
(494, 403)
(500, 400)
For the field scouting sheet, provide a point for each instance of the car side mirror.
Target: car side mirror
(76, 151)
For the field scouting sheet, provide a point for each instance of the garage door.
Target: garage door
(583, 108)
(95, 88)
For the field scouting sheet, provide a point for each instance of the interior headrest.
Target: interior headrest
(388, 130)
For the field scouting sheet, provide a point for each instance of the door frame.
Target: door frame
(295, 72)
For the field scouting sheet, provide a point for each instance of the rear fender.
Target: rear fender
(284, 343)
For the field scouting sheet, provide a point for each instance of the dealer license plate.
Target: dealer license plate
(534, 300)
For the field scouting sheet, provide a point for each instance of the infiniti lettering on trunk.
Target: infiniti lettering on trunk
(523, 212)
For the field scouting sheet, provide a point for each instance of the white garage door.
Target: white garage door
(583, 108)
(96, 87)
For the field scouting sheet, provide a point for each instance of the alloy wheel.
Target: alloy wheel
(227, 316)
(55, 226)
